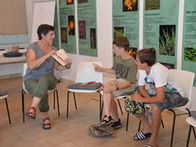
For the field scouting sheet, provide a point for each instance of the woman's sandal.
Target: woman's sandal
(106, 121)
(30, 113)
(47, 125)
(141, 136)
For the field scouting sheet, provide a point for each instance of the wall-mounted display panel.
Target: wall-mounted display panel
(87, 31)
(189, 37)
(160, 28)
(126, 21)
(67, 25)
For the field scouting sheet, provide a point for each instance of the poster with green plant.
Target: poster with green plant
(67, 25)
(189, 37)
(126, 21)
(87, 27)
(160, 28)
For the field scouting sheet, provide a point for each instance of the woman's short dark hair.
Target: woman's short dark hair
(121, 42)
(44, 29)
(147, 55)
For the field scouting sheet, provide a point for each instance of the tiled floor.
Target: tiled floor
(73, 131)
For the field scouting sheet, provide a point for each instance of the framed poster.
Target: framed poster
(87, 27)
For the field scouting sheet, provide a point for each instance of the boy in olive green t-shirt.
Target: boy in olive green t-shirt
(125, 69)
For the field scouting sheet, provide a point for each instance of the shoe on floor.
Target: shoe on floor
(106, 121)
(46, 123)
(116, 124)
(31, 112)
(141, 136)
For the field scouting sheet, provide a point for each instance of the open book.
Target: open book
(61, 57)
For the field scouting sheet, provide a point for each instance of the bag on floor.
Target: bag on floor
(85, 86)
(98, 130)
(134, 107)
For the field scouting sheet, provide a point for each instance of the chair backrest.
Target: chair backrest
(23, 74)
(86, 73)
(184, 79)
(24, 69)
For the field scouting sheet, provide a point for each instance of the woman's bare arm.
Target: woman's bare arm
(32, 62)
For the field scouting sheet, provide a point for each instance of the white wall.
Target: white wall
(194, 99)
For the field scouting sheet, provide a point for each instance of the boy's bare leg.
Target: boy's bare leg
(145, 124)
(114, 110)
(110, 105)
(156, 121)
(107, 102)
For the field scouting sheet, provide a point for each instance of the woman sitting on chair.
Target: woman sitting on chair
(39, 77)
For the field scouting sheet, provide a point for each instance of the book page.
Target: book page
(61, 57)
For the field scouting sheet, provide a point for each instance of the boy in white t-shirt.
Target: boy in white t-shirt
(155, 89)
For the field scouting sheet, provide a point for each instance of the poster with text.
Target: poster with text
(126, 21)
(87, 27)
(67, 24)
(160, 28)
(189, 40)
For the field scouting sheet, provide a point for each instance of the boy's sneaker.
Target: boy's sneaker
(106, 121)
(116, 124)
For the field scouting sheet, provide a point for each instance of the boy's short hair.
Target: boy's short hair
(121, 42)
(44, 29)
(147, 55)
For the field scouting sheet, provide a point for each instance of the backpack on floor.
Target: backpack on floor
(134, 107)
(98, 130)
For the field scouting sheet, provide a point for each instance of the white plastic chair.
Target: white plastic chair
(4, 95)
(86, 73)
(192, 124)
(184, 79)
(23, 91)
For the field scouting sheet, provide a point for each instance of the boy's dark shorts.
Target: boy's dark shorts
(171, 99)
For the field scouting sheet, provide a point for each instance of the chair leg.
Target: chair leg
(139, 127)
(173, 127)
(8, 112)
(127, 123)
(100, 106)
(194, 132)
(75, 100)
(68, 103)
(120, 106)
(54, 99)
(101, 113)
(188, 138)
(162, 123)
(23, 109)
(57, 98)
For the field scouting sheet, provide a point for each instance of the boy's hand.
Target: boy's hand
(137, 97)
(97, 67)
(109, 87)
